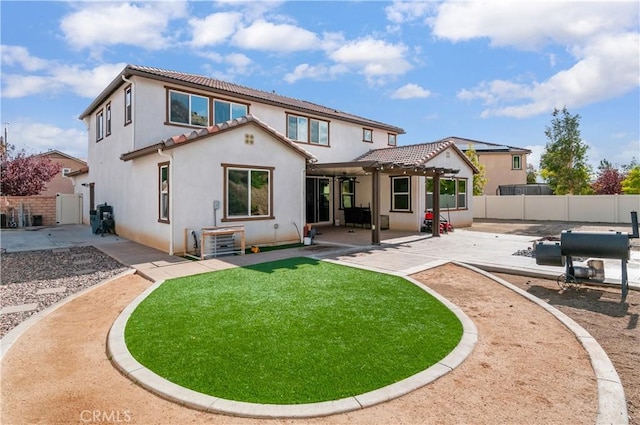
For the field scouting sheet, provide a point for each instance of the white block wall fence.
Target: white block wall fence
(579, 208)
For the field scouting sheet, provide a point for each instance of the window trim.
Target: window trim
(393, 193)
(394, 137)
(99, 125)
(351, 194)
(309, 121)
(456, 187)
(64, 171)
(225, 171)
(513, 161)
(364, 133)
(161, 217)
(108, 120)
(213, 101)
(128, 107)
(168, 121)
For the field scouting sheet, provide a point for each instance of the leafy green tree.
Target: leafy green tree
(563, 164)
(532, 174)
(631, 184)
(480, 179)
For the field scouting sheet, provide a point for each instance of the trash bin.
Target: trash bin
(95, 222)
(36, 220)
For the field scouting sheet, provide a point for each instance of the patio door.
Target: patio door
(318, 197)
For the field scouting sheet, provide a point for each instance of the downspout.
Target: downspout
(133, 121)
(171, 222)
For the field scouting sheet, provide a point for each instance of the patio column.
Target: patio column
(375, 206)
(435, 228)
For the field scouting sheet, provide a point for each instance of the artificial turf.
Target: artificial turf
(290, 332)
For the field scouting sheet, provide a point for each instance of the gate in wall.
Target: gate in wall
(69, 208)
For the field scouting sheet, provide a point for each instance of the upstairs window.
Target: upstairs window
(108, 118)
(516, 163)
(391, 140)
(100, 125)
(128, 114)
(65, 171)
(163, 192)
(367, 135)
(308, 130)
(401, 193)
(188, 109)
(226, 111)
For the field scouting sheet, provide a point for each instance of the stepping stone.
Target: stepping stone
(51, 290)
(84, 271)
(18, 308)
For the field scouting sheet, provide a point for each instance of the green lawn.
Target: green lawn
(289, 332)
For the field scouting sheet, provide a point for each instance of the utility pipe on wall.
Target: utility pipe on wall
(171, 222)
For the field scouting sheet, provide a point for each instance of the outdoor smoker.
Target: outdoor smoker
(588, 244)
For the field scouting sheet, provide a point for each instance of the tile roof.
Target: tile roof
(417, 155)
(479, 146)
(239, 91)
(192, 136)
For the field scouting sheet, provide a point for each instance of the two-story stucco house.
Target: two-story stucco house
(504, 165)
(172, 151)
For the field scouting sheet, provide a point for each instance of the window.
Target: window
(65, 171)
(99, 125)
(225, 111)
(462, 193)
(248, 192)
(127, 106)
(347, 193)
(163, 191)
(453, 194)
(392, 139)
(401, 193)
(308, 130)
(108, 118)
(367, 135)
(515, 162)
(188, 109)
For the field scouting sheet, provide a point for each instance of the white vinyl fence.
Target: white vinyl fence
(582, 208)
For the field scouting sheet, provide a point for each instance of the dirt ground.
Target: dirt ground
(526, 367)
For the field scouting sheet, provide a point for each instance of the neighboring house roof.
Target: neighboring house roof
(195, 135)
(57, 152)
(479, 147)
(230, 89)
(412, 155)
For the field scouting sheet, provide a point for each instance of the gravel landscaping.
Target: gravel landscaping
(47, 276)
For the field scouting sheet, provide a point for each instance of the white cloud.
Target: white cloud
(400, 11)
(20, 56)
(314, 72)
(608, 68)
(410, 91)
(263, 35)
(373, 58)
(40, 137)
(145, 25)
(56, 78)
(214, 29)
(531, 24)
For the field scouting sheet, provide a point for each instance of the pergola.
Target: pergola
(374, 169)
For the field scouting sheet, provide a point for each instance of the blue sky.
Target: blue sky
(490, 71)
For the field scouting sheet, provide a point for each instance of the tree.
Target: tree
(609, 179)
(480, 179)
(564, 162)
(532, 174)
(631, 184)
(25, 175)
